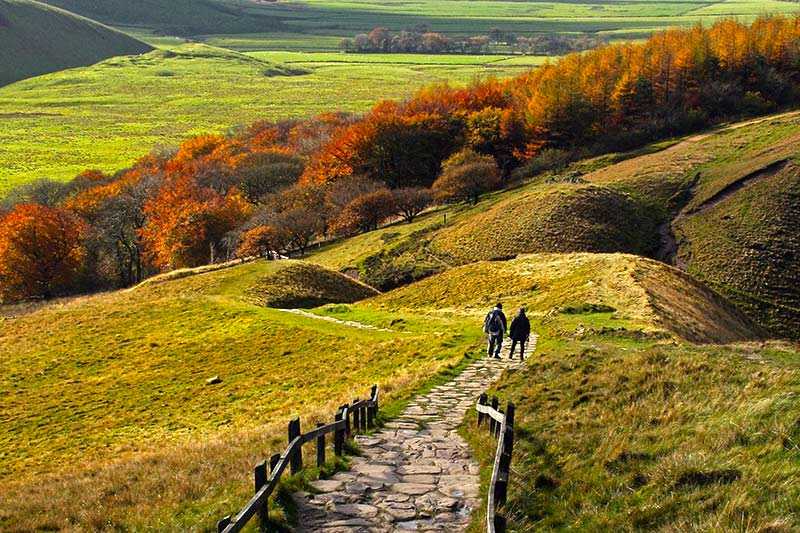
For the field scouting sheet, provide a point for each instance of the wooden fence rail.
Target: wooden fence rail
(356, 417)
(501, 427)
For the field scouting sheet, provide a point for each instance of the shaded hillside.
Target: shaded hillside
(36, 39)
(176, 17)
(628, 292)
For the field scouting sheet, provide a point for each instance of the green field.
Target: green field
(108, 115)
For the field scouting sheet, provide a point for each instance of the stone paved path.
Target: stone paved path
(416, 474)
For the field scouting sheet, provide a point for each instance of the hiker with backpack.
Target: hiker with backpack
(519, 332)
(495, 326)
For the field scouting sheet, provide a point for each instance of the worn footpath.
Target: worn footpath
(416, 473)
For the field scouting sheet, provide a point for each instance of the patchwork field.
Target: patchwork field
(108, 115)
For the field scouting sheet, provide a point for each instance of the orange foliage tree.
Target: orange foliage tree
(186, 223)
(41, 252)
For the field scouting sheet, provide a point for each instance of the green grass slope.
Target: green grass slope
(37, 39)
(176, 17)
(105, 397)
(729, 199)
(621, 435)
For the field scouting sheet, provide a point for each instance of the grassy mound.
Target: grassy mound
(615, 435)
(106, 404)
(622, 292)
(175, 17)
(306, 285)
(552, 218)
(36, 39)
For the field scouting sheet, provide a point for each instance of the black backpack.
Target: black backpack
(492, 323)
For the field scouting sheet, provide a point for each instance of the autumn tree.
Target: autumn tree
(186, 223)
(411, 201)
(41, 252)
(261, 240)
(465, 177)
(366, 212)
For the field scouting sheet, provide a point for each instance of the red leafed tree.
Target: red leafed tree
(465, 177)
(366, 212)
(41, 252)
(260, 240)
(186, 223)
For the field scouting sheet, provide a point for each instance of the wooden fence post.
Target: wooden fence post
(222, 524)
(482, 400)
(338, 435)
(273, 461)
(493, 424)
(510, 409)
(297, 458)
(346, 416)
(500, 524)
(260, 475)
(356, 416)
(363, 418)
(320, 448)
(370, 416)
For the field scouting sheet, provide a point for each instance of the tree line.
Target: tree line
(421, 40)
(283, 186)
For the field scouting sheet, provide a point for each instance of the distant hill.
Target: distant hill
(175, 17)
(37, 39)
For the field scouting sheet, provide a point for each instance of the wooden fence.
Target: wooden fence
(501, 427)
(355, 417)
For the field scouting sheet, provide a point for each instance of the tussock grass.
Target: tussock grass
(622, 436)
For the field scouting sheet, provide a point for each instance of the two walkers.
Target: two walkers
(495, 325)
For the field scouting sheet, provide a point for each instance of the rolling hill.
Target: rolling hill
(37, 39)
(176, 17)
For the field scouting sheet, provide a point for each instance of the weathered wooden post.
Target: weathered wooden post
(364, 418)
(346, 416)
(356, 416)
(260, 476)
(493, 424)
(296, 460)
(500, 524)
(273, 461)
(320, 448)
(339, 435)
(222, 524)
(482, 400)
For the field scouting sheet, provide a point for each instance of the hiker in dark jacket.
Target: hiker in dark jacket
(495, 326)
(520, 332)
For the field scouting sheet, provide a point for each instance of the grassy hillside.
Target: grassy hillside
(732, 195)
(621, 435)
(552, 218)
(108, 115)
(176, 17)
(106, 397)
(720, 205)
(36, 39)
(619, 291)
